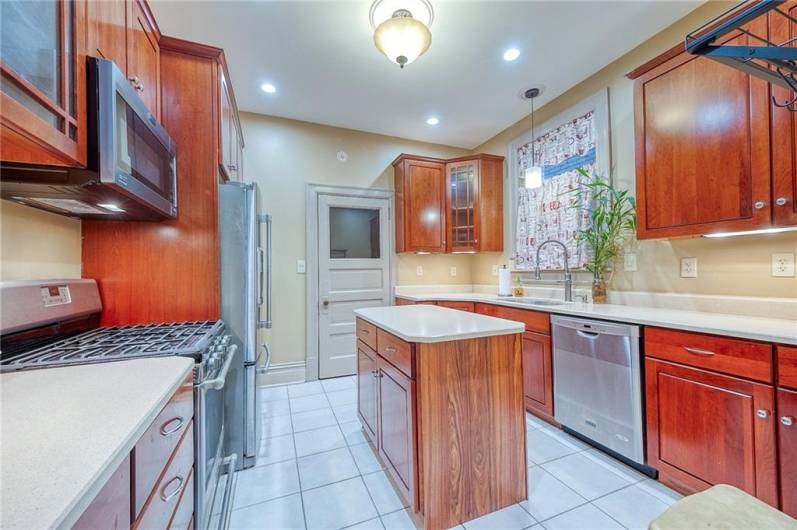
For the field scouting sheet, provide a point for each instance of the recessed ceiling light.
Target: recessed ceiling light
(511, 54)
(268, 88)
(433, 120)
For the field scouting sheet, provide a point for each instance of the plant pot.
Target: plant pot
(599, 290)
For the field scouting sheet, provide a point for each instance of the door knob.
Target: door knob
(325, 303)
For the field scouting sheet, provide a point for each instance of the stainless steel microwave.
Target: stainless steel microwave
(131, 172)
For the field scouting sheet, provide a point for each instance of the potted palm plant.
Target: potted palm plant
(612, 220)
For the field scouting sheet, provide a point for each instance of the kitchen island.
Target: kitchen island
(440, 397)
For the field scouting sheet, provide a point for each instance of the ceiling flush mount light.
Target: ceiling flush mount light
(268, 88)
(432, 120)
(533, 174)
(511, 54)
(404, 35)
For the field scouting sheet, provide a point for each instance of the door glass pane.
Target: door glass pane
(353, 233)
(462, 203)
(29, 40)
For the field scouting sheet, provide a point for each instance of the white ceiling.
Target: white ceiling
(321, 58)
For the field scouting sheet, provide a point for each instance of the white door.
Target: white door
(353, 272)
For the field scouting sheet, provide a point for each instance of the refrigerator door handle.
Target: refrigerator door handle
(266, 220)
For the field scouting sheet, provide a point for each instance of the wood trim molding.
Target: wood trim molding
(656, 61)
(403, 156)
(190, 48)
(478, 156)
(150, 17)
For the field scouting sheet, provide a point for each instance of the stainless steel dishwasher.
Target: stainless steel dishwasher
(598, 384)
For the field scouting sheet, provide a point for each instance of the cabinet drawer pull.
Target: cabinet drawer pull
(781, 201)
(788, 421)
(390, 349)
(759, 205)
(698, 351)
(167, 428)
(762, 413)
(365, 331)
(167, 497)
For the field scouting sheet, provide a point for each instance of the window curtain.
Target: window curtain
(549, 211)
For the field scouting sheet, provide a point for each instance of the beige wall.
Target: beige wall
(282, 156)
(734, 266)
(37, 245)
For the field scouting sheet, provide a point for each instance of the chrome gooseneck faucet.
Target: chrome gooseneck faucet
(568, 276)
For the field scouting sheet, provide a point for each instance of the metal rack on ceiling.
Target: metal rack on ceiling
(775, 62)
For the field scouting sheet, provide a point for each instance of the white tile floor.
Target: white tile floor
(315, 470)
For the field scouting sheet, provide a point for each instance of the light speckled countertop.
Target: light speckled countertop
(64, 431)
(776, 330)
(429, 323)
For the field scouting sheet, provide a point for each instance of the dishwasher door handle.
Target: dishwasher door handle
(591, 335)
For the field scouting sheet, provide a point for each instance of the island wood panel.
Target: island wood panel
(700, 171)
(473, 443)
(784, 130)
(367, 389)
(168, 271)
(787, 366)
(110, 509)
(538, 374)
(703, 429)
(743, 358)
(787, 438)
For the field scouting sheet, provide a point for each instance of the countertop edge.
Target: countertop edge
(83, 498)
(568, 310)
(442, 338)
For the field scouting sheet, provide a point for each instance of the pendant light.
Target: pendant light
(401, 37)
(533, 174)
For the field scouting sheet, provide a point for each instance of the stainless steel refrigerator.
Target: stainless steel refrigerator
(245, 289)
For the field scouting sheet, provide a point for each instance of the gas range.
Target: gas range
(194, 339)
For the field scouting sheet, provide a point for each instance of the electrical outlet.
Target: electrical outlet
(495, 270)
(783, 265)
(453, 271)
(688, 267)
(419, 270)
(629, 261)
(301, 266)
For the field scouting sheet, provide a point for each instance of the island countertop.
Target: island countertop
(66, 430)
(430, 324)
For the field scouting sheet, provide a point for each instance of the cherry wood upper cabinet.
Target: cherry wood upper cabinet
(143, 54)
(787, 438)
(106, 31)
(420, 204)
(705, 428)
(784, 132)
(475, 204)
(702, 146)
(43, 96)
(451, 205)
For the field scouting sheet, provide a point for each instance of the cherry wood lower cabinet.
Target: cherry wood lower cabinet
(154, 485)
(447, 421)
(462, 306)
(787, 443)
(704, 428)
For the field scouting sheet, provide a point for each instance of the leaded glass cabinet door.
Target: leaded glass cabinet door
(42, 89)
(463, 192)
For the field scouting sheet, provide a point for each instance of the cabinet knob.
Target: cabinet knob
(140, 87)
(133, 79)
(788, 421)
(781, 201)
(762, 413)
(759, 205)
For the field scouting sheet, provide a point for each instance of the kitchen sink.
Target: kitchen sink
(537, 301)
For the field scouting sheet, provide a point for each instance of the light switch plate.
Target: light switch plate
(301, 266)
(495, 270)
(629, 261)
(783, 265)
(419, 270)
(453, 271)
(688, 267)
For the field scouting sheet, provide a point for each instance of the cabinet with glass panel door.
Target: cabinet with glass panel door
(42, 94)
(474, 203)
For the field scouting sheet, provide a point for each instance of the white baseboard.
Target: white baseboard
(283, 374)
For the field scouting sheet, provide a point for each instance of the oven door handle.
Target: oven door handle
(217, 383)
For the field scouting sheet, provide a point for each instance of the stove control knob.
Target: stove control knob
(225, 340)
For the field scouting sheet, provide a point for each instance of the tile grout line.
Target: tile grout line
(296, 466)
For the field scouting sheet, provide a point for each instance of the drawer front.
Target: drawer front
(181, 519)
(535, 321)
(462, 306)
(404, 301)
(395, 351)
(787, 366)
(153, 450)
(161, 505)
(751, 360)
(366, 332)
(110, 509)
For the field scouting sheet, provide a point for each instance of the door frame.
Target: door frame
(312, 194)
